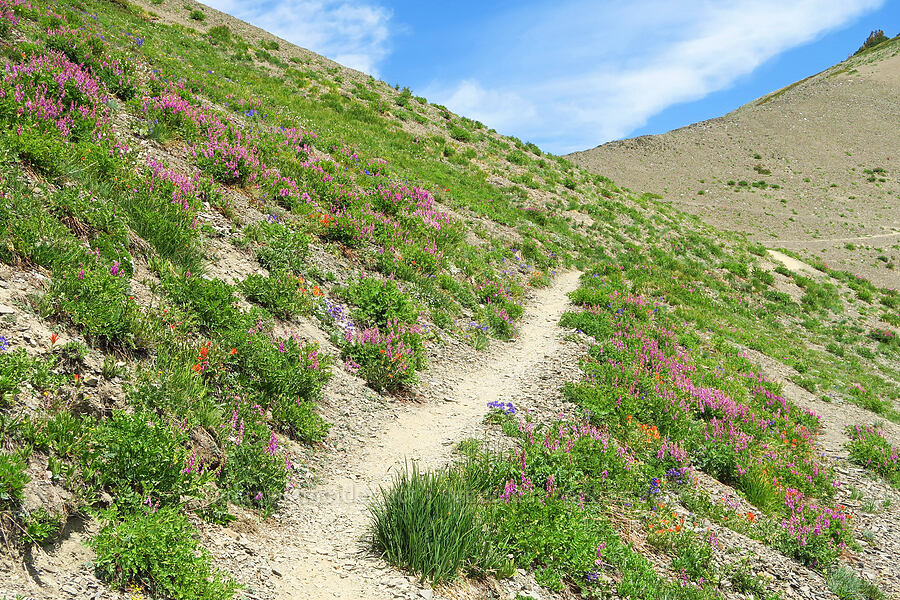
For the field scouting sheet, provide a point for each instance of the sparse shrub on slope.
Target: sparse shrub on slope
(157, 550)
(282, 293)
(387, 357)
(139, 459)
(210, 301)
(380, 301)
(868, 448)
(12, 480)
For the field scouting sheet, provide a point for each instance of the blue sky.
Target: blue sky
(571, 74)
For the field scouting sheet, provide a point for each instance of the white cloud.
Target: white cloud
(502, 109)
(631, 63)
(354, 34)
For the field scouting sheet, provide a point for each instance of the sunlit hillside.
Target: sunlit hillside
(270, 328)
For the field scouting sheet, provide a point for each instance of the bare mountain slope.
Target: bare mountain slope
(814, 167)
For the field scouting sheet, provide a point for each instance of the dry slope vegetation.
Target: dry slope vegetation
(812, 167)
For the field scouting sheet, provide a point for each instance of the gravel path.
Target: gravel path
(317, 547)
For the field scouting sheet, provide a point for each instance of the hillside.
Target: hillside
(271, 328)
(812, 167)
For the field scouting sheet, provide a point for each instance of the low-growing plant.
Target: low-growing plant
(139, 459)
(282, 249)
(157, 550)
(96, 298)
(459, 134)
(813, 533)
(254, 474)
(298, 418)
(550, 535)
(12, 479)
(15, 369)
(868, 448)
(41, 526)
(477, 335)
(386, 357)
(427, 523)
(211, 302)
(847, 585)
(380, 301)
(273, 366)
(285, 295)
(500, 322)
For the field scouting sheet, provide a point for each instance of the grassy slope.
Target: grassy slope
(206, 369)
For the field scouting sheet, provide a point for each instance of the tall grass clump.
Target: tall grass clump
(847, 585)
(427, 523)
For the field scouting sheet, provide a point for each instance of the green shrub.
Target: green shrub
(426, 522)
(168, 226)
(739, 269)
(459, 134)
(170, 386)
(278, 292)
(868, 448)
(810, 536)
(135, 457)
(847, 585)
(12, 480)
(835, 348)
(517, 157)
(693, 557)
(764, 276)
(284, 249)
(380, 301)
(868, 400)
(96, 298)
(884, 336)
(15, 368)
(198, 15)
(220, 34)
(211, 301)
(41, 526)
(298, 419)
(386, 357)
(65, 434)
(157, 551)
(549, 535)
(500, 322)
(778, 297)
(253, 474)
(276, 368)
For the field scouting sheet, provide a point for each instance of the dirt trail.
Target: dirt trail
(318, 551)
(809, 241)
(793, 264)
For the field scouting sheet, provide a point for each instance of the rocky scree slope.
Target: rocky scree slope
(812, 167)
